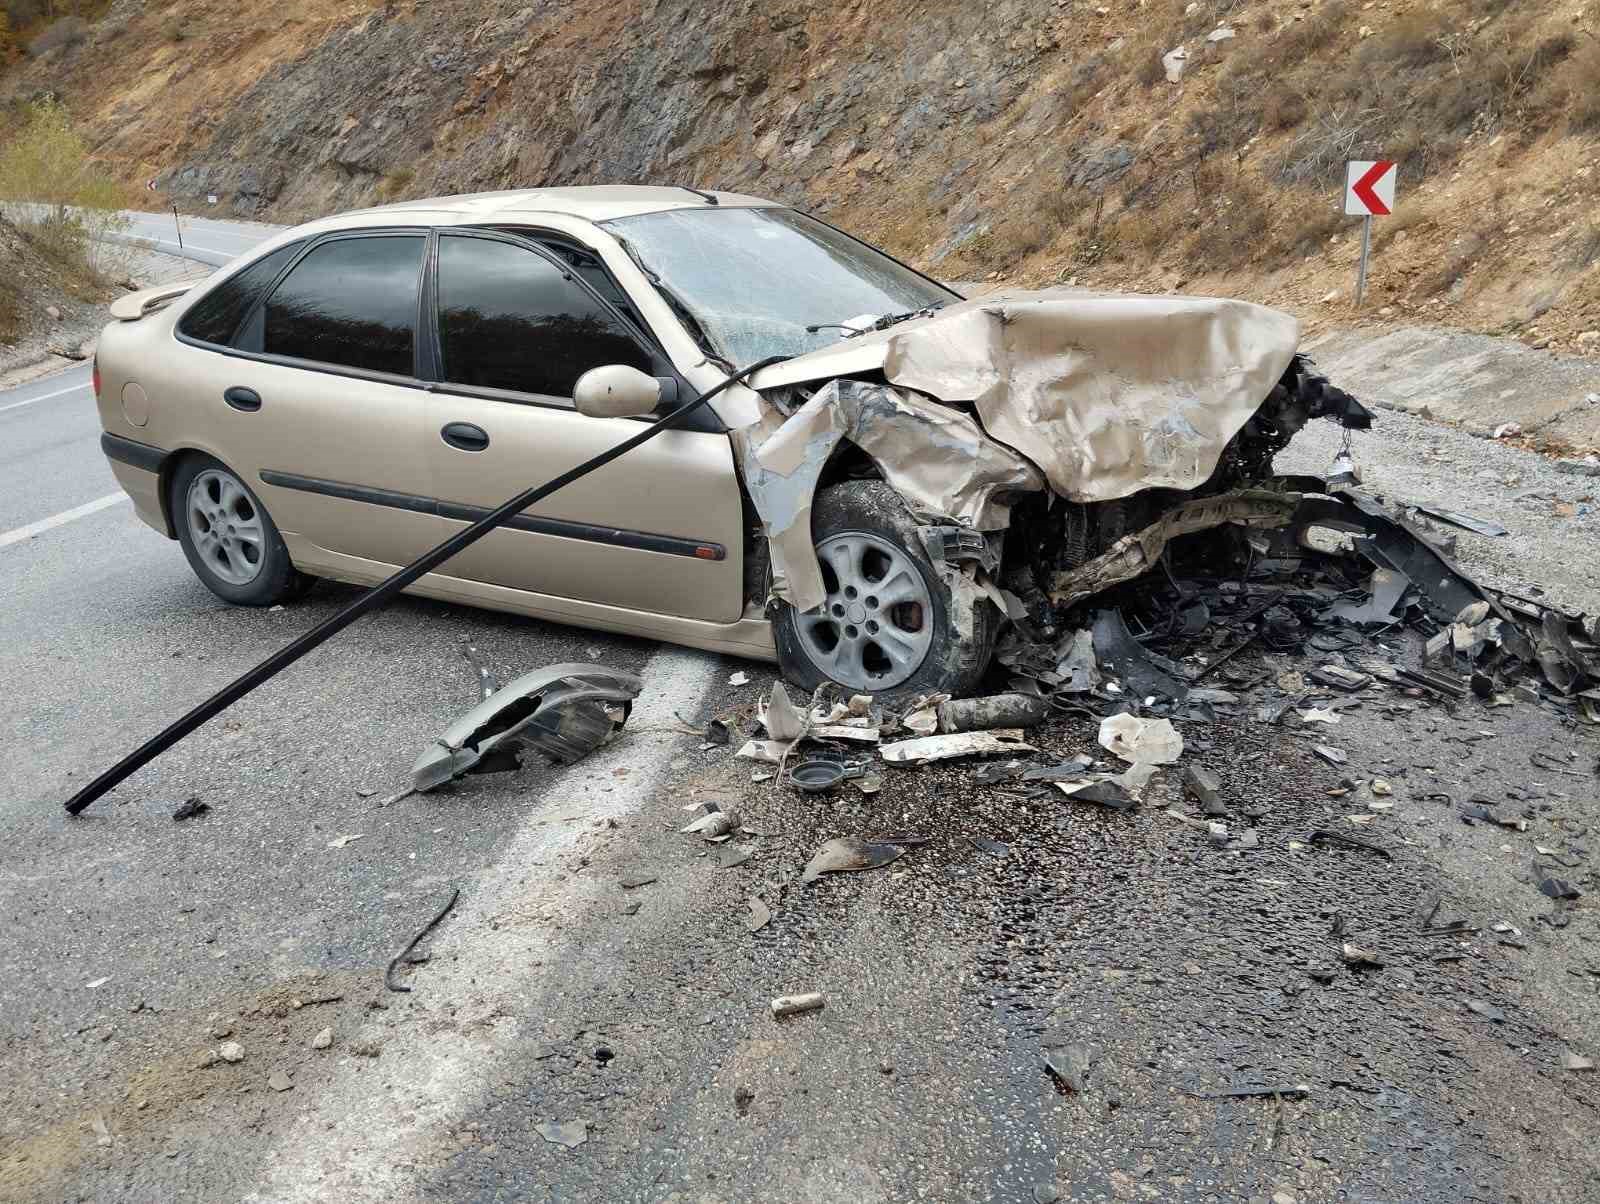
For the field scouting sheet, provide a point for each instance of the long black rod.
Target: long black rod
(377, 596)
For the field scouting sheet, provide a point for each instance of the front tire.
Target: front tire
(890, 624)
(230, 540)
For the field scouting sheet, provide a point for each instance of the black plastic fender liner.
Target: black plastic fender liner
(381, 594)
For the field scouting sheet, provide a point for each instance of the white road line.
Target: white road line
(17, 405)
(60, 520)
(363, 1155)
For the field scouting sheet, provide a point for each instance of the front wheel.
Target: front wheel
(890, 624)
(229, 538)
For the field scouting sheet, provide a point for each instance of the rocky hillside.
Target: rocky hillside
(1035, 140)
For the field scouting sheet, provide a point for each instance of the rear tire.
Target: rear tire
(888, 626)
(230, 540)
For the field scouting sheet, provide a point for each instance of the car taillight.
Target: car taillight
(94, 377)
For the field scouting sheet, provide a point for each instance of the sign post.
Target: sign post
(1368, 193)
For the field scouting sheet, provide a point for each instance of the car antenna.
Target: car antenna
(709, 198)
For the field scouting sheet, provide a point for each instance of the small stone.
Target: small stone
(886, 1067)
(573, 1133)
(220, 1031)
(1282, 1197)
(637, 878)
(279, 1081)
(323, 1039)
(1587, 337)
(1330, 295)
(54, 314)
(1046, 1193)
(1381, 788)
(231, 1051)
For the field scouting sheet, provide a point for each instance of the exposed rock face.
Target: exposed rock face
(717, 93)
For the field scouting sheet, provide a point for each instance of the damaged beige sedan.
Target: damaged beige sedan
(919, 470)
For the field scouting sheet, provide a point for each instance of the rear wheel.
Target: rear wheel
(229, 538)
(889, 624)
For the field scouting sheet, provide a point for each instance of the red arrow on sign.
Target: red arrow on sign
(1363, 189)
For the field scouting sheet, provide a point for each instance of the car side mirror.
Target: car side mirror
(616, 391)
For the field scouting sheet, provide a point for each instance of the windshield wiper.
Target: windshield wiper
(883, 323)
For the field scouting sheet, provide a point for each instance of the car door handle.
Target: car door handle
(465, 436)
(241, 398)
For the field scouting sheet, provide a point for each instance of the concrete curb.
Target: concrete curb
(210, 258)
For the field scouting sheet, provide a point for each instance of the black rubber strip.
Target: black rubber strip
(672, 545)
(127, 451)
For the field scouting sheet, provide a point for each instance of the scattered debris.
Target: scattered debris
(992, 847)
(1291, 1091)
(783, 722)
(323, 1039)
(715, 822)
(740, 678)
(1555, 888)
(1070, 1064)
(818, 774)
(1333, 756)
(102, 1131)
(231, 1051)
(793, 1005)
(388, 974)
(190, 808)
(717, 732)
(1575, 1062)
(1150, 741)
(339, 842)
(279, 1081)
(1105, 792)
(997, 710)
(760, 914)
(869, 783)
(729, 856)
(1358, 958)
(487, 682)
(922, 749)
(1487, 1010)
(564, 711)
(846, 853)
(1381, 788)
(571, 1134)
(1206, 788)
(1467, 522)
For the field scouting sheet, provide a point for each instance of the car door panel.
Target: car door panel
(659, 530)
(324, 412)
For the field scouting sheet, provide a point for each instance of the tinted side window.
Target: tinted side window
(509, 319)
(215, 317)
(351, 302)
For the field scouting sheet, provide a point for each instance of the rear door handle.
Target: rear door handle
(465, 436)
(241, 398)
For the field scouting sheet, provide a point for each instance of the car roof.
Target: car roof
(593, 202)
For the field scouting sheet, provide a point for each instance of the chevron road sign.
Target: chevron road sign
(1368, 193)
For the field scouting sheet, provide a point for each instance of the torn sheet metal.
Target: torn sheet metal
(935, 457)
(1110, 395)
(1140, 670)
(1137, 553)
(923, 749)
(564, 711)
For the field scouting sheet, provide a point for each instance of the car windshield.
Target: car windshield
(755, 279)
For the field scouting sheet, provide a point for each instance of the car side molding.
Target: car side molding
(647, 541)
(130, 451)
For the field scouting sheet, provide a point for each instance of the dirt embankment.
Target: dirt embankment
(46, 306)
(1035, 142)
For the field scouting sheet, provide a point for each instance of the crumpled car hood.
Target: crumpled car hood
(1108, 394)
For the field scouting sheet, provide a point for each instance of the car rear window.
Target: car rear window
(216, 316)
(351, 302)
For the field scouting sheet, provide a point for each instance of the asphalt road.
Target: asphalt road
(636, 1018)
